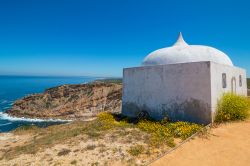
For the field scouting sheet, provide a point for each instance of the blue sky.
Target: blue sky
(100, 38)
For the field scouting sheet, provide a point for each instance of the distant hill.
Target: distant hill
(111, 80)
(79, 101)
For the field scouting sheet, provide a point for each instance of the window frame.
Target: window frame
(240, 80)
(224, 80)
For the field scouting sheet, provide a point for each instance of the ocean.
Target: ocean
(16, 87)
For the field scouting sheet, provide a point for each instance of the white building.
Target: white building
(182, 82)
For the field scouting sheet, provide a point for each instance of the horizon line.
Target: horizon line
(13, 75)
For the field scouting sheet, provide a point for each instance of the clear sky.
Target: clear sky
(101, 37)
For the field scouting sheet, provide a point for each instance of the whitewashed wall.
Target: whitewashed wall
(180, 91)
(216, 81)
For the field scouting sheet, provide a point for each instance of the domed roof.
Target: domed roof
(181, 52)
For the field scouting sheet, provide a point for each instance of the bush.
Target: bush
(63, 152)
(184, 129)
(232, 107)
(136, 150)
(164, 132)
(73, 162)
(91, 147)
(160, 133)
(107, 121)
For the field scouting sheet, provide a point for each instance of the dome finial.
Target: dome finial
(180, 41)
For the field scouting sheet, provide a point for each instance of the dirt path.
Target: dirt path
(227, 145)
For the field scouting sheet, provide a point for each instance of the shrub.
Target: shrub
(73, 162)
(160, 133)
(63, 152)
(183, 129)
(106, 117)
(91, 147)
(164, 131)
(136, 150)
(232, 107)
(107, 120)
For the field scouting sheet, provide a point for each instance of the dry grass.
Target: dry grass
(63, 152)
(152, 137)
(136, 150)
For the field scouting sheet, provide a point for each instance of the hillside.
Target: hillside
(70, 101)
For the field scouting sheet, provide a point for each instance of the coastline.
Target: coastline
(7, 116)
(14, 88)
(69, 102)
(63, 103)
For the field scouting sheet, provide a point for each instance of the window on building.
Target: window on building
(240, 81)
(224, 80)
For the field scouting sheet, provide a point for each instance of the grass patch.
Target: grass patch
(73, 162)
(63, 152)
(157, 133)
(26, 128)
(136, 150)
(232, 107)
(91, 147)
(93, 134)
(111, 80)
(47, 137)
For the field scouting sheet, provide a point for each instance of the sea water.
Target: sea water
(16, 87)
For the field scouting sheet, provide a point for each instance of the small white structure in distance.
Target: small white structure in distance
(183, 82)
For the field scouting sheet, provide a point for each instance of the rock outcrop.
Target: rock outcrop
(70, 101)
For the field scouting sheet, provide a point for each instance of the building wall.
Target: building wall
(179, 91)
(216, 82)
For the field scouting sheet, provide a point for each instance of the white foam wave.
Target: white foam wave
(4, 101)
(5, 116)
(5, 108)
(10, 104)
(5, 124)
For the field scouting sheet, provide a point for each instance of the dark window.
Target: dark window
(224, 80)
(240, 81)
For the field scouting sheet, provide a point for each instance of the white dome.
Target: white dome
(181, 52)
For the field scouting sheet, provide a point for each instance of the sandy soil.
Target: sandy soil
(226, 145)
(110, 149)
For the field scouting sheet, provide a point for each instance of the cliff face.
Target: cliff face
(70, 101)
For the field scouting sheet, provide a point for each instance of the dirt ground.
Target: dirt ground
(226, 145)
(109, 149)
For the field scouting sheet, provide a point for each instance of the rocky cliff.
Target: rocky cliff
(70, 101)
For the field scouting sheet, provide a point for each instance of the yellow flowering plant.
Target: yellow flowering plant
(232, 107)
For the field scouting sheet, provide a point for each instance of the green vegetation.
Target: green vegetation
(152, 133)
(232, 107)
(91, 147)
(164, 132)
(73, 162)
(183, 130)
(136, 150)
(111, 80)
(64, 152)
(26, 128)
(160, 133)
